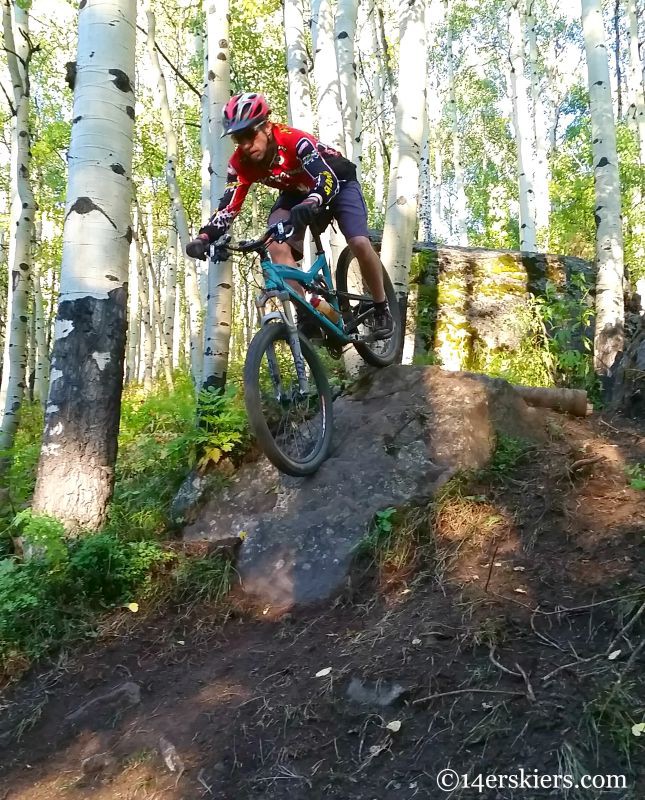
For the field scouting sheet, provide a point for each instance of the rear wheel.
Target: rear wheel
(293, 429)
(380, 353)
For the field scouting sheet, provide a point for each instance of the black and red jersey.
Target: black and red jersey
(301, 164)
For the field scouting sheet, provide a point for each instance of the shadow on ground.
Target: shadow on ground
(509, 640)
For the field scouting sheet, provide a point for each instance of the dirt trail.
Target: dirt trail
(244, 715)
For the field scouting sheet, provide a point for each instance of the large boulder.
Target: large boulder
(629, 389)
(400, 436)
(469, 304)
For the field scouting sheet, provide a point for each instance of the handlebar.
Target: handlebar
(279, 232)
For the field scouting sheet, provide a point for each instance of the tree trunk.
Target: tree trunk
(523, 127)
(21, 220)
(617, 51)
(134, 318)
(378, 81)
(75, 475)
(329, 115)
(460, 194)
(542, 174)
(178, 338)
(610, 314)
(171, 286)
(636, 107)
(636, 117)
(425, 189)
(217, 327)
(401, 215)
(330, 118)
(192, 282)
(205, 136)
(41, 378)
(300, 113)
(4, 260)
(201, 48)
(345, 32)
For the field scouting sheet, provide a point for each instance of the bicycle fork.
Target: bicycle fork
(285, 315)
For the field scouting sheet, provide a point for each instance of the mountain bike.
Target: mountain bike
(286, 390)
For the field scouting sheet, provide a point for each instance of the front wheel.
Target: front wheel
(383, 352)
(293, 428)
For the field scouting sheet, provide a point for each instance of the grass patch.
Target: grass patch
(509, 454)
(612, 714)
(636, 474)
(395, 544)
(406, 542)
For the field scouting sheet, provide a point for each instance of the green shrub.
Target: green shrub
(56, 593)
(160, 441)
(509, 453)
(636, 474)
(568, 317)
(43, 534)
(111, 571)
(32, 598)
(21, 474)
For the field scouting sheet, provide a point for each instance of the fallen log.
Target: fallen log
(570, 401)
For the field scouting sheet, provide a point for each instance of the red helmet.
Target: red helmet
(243, 111)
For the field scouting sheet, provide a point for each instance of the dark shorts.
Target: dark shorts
(348, 208)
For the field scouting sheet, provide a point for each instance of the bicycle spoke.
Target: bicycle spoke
(297, 424)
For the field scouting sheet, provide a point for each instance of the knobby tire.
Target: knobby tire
(263, 339)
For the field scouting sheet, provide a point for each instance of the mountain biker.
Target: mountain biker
(311, 178)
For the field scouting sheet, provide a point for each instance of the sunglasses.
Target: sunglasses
(244, 137)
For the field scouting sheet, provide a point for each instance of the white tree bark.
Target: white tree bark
(440, 233)
(171, 286)
(378, 83)
(401, 214)
(609, 334)
(425, 189)
(150, 340)
(190, 272)
(41, 378)
(217, 328)
(134, 318)
(178, 338)
(635, 73)
(542, 174)
(523, 128)
(330, 119)
(21, 221)
(4, 260)
(205, 133)
(156, 320)
(345, 34)
(460, 207)
(76, 468)
(205, 142)
(300, 112)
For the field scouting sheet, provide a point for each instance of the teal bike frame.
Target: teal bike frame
(275, 282)
(276, 286)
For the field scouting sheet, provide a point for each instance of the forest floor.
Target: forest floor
(510, 643)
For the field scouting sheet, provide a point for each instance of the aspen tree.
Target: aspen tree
(19, 49)
(401, 213)
(75, 474)
(217, 327)
(610, 313)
